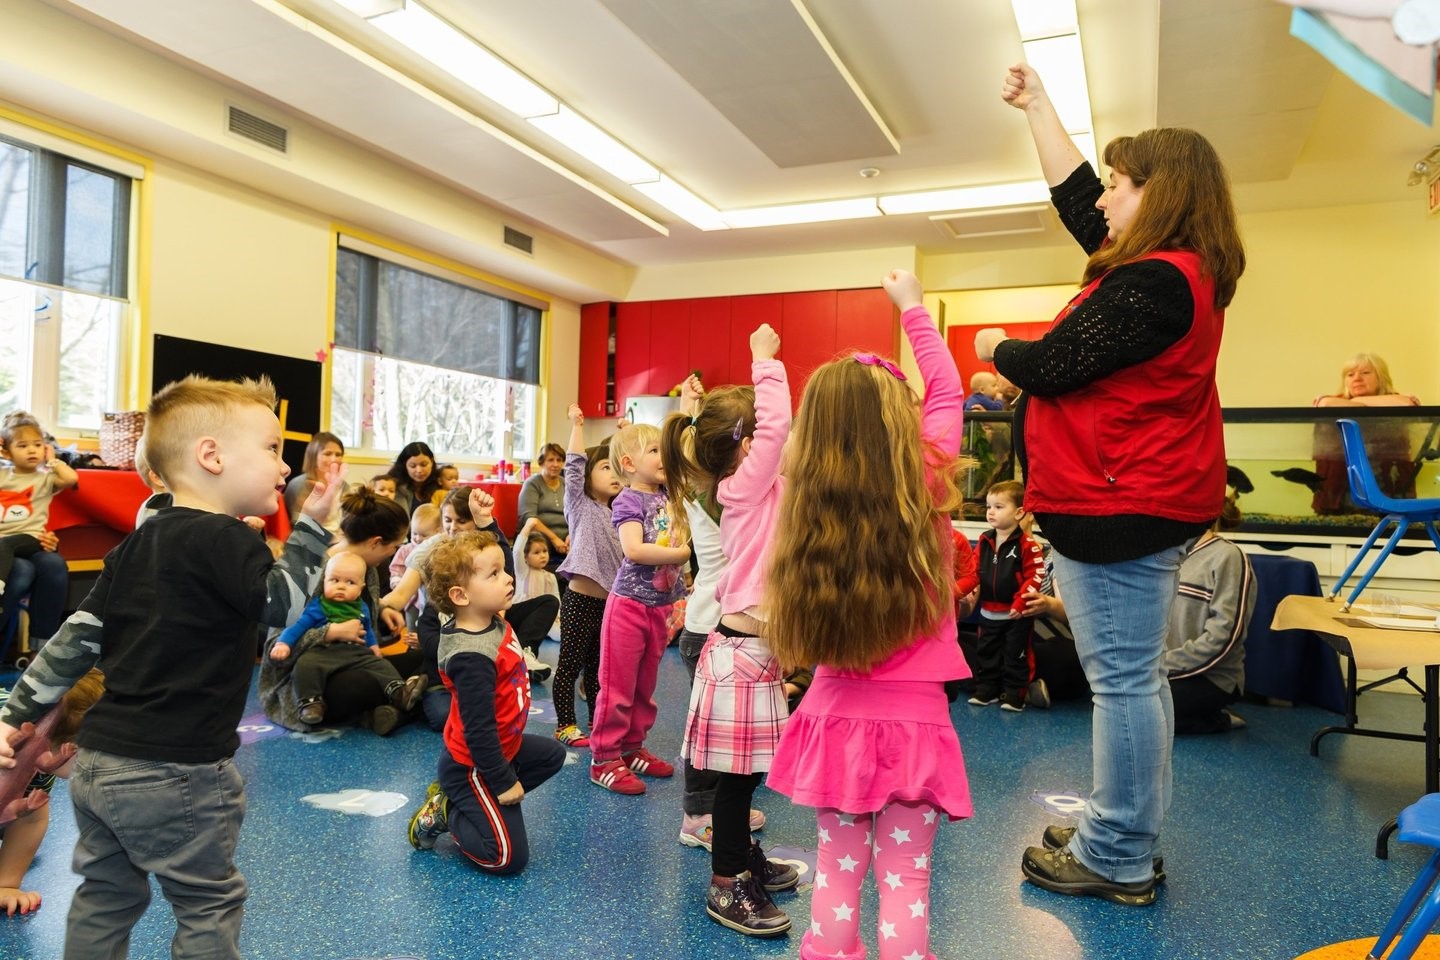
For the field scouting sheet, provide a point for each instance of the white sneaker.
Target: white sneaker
(539, 669)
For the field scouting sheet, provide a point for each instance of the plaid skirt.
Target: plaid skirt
(737, 706)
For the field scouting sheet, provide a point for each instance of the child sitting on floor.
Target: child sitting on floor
(489, 763)
(340, 602)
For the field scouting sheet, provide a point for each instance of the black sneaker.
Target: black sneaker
(1013, 701)
(773, 874)
(1060, 872)
(742, 904)
(983, 697)
(312, 711)
(431, 821)
(1057, 837)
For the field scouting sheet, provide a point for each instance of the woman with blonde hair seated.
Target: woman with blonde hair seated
(1364, 382)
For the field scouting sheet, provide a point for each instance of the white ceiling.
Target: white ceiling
(743, 103)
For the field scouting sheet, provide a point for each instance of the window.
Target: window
(421, 357)
(64, 274)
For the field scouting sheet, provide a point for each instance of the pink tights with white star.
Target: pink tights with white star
(898, 839)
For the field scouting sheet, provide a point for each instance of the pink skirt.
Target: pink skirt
(737, 706)
(856, 745)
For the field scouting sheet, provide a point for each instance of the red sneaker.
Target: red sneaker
(616, 777)
(644, 762)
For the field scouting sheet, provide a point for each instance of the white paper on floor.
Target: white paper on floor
(372, 803)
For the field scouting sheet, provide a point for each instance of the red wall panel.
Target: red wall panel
(747, 313)
(632, 351)
(669, 344)
(710, 340)
(594, 354)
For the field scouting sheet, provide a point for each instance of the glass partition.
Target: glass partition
(1286, 466)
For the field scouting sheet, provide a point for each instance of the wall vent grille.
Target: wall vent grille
(520, 241)
(245, 124)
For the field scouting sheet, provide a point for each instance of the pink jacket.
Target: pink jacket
(751, 495)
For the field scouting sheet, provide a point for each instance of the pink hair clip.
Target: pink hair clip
(875, 360)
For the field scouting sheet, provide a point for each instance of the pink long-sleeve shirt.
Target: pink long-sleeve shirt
(751, 495)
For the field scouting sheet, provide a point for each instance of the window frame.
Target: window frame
(367, 287)
(44, 269)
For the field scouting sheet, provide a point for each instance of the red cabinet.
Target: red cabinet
(747, 313)
(710, 340)
(658, 343)
(632, 351)
(809, 338)
(865, 321)
(669, 344)
(594, 357)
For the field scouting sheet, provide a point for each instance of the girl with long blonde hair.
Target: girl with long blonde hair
(730, 454)
(860, 584)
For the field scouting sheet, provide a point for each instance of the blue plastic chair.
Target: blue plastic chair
(1419, 823)
(1366, 493)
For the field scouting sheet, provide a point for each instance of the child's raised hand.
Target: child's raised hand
(764, 343)
(482, 507)
(321, 502)
(512, 796)
(903, 288)
(575, 415)
(280, 651)
(692, 389)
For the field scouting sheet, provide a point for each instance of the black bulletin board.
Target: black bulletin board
(296, 381)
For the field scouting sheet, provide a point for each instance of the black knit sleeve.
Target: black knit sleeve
(1137, 312)
(1074, 201)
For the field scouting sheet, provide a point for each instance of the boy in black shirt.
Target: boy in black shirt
(171, 621)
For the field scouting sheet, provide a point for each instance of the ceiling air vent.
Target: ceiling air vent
(520, 241)
(993, 223)
(259, 130)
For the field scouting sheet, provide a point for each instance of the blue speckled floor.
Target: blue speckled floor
(1269, 853)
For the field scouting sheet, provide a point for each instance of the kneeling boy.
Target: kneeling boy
(489, 761)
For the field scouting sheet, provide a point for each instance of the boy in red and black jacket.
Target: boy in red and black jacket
(489, 762)
(1010, 564)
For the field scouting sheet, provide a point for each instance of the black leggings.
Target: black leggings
(580, 617)
(350, 693)
(531, 620)
(730, 823)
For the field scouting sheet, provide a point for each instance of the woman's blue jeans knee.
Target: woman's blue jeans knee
(1119, 613)
(43, 578)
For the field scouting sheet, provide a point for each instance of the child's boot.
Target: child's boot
(742, 904)
(771, 874)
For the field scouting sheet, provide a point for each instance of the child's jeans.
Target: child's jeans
(633, 638)
(179, 821)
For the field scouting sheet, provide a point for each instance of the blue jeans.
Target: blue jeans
(1118, 613)
(43, 578)
(179, 821)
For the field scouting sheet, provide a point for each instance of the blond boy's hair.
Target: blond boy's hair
(450, 565)
(188, 409)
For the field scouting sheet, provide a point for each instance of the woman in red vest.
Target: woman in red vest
(1121, 419)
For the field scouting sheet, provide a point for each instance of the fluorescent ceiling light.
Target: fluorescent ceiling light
(967, 198)
(371, 8)
(464, 59)
(854, 209)
(596, 145)
(1044, 18)
(683, 203)
(1061, 66)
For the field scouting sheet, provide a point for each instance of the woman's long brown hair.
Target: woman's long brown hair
(862, 560)
(1186, 206)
